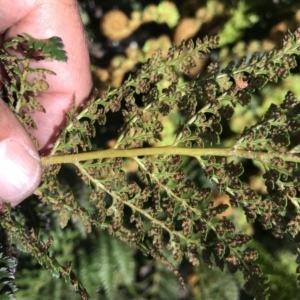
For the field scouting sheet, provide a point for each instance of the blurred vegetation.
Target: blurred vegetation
(122, 35)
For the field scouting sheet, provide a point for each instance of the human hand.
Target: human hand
(20, 169)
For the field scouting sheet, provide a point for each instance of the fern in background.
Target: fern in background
(7, 277)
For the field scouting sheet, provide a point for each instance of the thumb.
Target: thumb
(20, 168)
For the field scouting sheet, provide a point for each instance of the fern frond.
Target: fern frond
(7, 277)
(159, 206)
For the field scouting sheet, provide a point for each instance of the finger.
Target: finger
(20, 169)
(44, 20)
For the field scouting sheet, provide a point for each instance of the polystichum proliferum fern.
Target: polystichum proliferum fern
(162, 209)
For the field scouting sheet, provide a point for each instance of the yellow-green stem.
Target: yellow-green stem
(193, 152)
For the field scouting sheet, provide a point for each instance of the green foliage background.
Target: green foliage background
(107, 267)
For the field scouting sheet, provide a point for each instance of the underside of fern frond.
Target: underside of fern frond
(141, 191)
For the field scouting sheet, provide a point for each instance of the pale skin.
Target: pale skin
(20, 168)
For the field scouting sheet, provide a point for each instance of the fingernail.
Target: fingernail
(20, 171)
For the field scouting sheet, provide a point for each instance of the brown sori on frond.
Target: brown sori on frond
(154, 199)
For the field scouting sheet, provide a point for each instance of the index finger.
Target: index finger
(43, 19)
